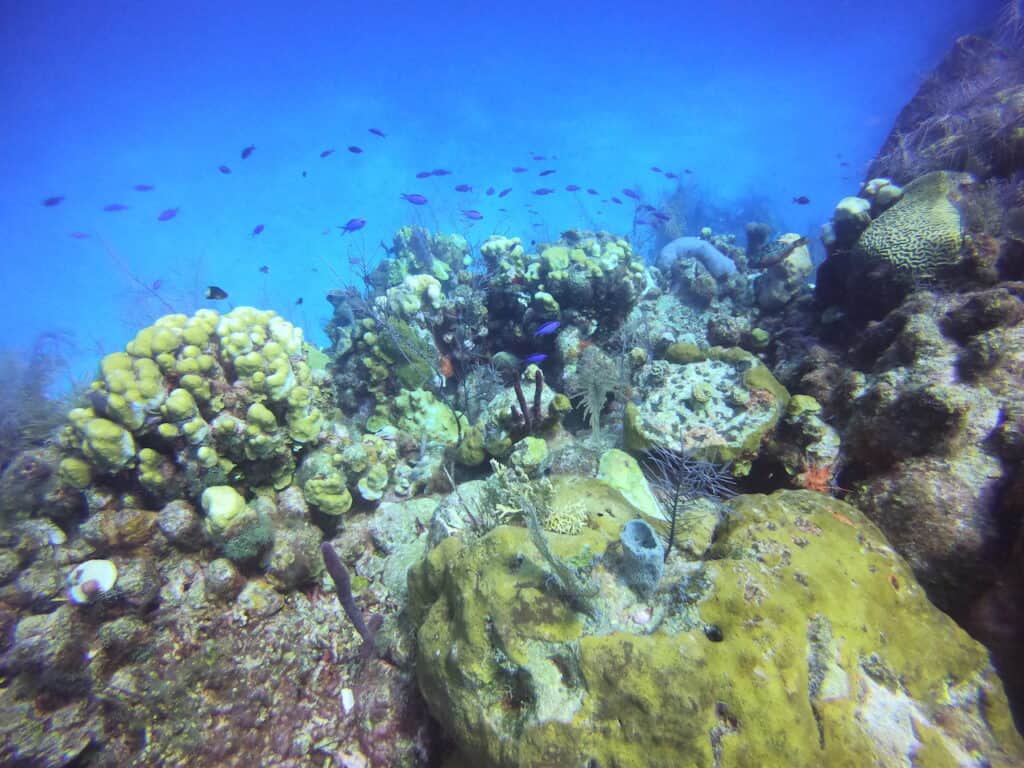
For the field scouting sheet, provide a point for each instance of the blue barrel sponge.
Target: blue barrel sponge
(643, 557)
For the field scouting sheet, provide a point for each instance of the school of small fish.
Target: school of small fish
(646, 214)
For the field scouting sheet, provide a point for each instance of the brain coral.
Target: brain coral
(921, 233)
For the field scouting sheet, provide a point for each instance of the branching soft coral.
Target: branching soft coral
(597, 377)
(28, 413)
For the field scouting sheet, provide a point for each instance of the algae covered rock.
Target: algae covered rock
(717, 405)
(802, 640)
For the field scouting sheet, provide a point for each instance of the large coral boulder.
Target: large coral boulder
(801, 639)
(716, 404)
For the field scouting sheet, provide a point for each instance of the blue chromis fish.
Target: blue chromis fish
(167, 215)
(257, 230)
(355, 150)
(49, 202)
(473, 215)
(353, 225)
(115, 207)
(414, 198)
(535, 359)
(377, 132)
(548, 328)
(224, 169)
(143, 187)
(248, 151)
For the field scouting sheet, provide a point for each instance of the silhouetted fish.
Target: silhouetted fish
(248, 151)
(687, 170)
(543, 191)
(79, 235)
(327, 153)
(519, 169)
(355, 150)
(490, 191)
(424, 174)
(505, 191)
(463, 188)
(572, 188)
(660, 216)
(223, 169)
(298, 301)
(216, 293)
(631, 193)
(143, 187)
(802, 200)
(156, 285)
(844, 164)
(670, 175)
(592, 191)
(440, 172)
(114, 207)
(473, 215)
(547, 172)
(353, 225)
(616, 201)
(265, 269)
(257, 230)
(656, 169)
(167, 215)
(414, 198)
(49, 202)
(377, 132)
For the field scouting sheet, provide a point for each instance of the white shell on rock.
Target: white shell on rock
(91, 579)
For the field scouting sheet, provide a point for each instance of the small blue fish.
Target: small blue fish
(355, 150)
(543, 191)
(415, 199)
(257, 230)
(224, 169)
(547, 172)
(631, 193)
(52, 201)
(377, 132)
(440, 172)
(327, 153)
(616, 201)
(490, 191)
(572, 188)
(167, 215)
(548, 328)
(114, 207)
(464, 188)
(473, 215)
(143, 187)
(505, 191)
(535, 359)
(424, 174)
(353, 225)
(248, 151)
(519, 169)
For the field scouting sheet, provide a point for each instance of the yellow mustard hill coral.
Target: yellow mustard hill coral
(923, 232)
(802, 640)
(211, 398)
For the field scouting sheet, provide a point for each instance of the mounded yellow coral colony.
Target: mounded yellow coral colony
(198, 401)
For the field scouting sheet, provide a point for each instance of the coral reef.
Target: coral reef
(966, 117)
(797, 593)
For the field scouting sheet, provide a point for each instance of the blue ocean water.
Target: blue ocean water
(752, 105)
